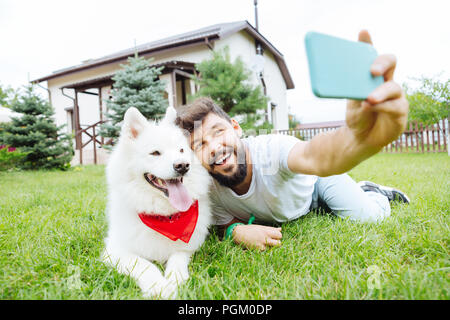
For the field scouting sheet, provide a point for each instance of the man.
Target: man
(277, 178)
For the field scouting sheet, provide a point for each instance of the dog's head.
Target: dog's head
(160, 154)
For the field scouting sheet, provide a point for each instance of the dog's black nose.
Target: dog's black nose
(181, 167)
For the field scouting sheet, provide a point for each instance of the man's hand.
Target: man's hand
(381, 118)
(257, 236)
(370, 125)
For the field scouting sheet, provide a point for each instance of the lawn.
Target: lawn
(52, 226)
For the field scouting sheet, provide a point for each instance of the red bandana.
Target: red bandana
(180, 225)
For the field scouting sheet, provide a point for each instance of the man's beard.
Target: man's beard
(241, 171)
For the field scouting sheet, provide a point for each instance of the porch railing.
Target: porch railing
(91, 132)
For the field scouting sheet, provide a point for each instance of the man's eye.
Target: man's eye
(218, 131)
(198, 146)
(155, 153)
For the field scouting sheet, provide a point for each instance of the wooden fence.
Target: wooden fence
(416, 138)
(91, 137)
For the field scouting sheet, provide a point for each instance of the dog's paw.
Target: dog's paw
(162, 289)
(177, 276)
(170, 291)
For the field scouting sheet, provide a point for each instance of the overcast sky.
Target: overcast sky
(39, 37)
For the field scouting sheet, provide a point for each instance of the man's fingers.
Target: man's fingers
(397, 107)
(275, 233)
(261, 247)
(273, 237)
(384, 65)
(364, 36)
(387, 91)
(272, 242)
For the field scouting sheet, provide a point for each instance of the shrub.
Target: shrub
(10, 157)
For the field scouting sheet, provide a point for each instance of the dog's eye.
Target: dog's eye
(155, 153)
(181, 150)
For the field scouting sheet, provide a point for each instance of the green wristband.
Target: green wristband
(229, 233)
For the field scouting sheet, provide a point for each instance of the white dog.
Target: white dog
(156, 187)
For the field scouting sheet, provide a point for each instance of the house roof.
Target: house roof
(107, 80)
(204, 35)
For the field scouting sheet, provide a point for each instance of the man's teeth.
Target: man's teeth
(221, 160)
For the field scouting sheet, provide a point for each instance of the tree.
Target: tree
(34, 132)
(430, 102)
(135, 85)
(293, 121)
(254, 123)
(228, 84)
(7, 96)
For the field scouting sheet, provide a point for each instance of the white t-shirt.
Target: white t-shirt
(276, 194)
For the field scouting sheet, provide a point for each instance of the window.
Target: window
(273, 113)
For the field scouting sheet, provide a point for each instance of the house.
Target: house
(6, 114)
(78, 93)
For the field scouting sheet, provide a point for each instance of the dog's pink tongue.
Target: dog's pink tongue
(178, 195)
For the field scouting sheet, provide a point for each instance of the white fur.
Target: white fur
(131, 245)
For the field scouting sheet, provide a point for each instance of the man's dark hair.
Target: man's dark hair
(196, 111)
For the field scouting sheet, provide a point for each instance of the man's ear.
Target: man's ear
(236, 127)
(171, 115)
(133, 123)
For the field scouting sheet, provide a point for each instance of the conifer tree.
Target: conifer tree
(35, 132)
(135, 85)
(228, 84)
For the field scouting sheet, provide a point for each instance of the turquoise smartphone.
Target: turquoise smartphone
(340, 68)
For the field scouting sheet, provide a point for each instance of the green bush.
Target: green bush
(10, 159)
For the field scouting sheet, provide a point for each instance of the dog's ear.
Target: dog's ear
(171, 115)
(133, 123)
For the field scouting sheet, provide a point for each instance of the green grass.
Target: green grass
(52, 226)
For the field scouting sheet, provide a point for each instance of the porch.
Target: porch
(88, 143)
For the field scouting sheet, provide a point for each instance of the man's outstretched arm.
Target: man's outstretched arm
(370, 125)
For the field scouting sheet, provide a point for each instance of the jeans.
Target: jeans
(341, 195)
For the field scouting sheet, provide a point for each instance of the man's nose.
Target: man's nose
(181, 167)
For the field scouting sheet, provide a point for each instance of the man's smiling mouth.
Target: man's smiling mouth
(221, 157)
(221, 160)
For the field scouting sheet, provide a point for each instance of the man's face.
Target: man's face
(216, 142)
